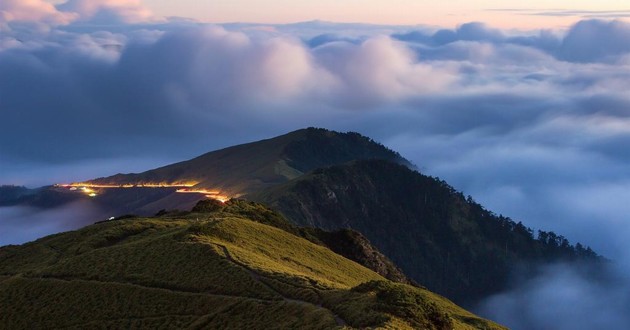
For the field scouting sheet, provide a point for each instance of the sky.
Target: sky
(523, 107)
(499, 13)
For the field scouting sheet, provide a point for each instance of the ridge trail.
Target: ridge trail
(257, 277)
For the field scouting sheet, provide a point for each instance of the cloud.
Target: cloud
(23, 224)
(588, 41)
(40, 15)
(596, 41)
(474, 31)
(33, 11)
(602, 14)
(108, 11)
(564, 296)
(378, 70)
(162, 87)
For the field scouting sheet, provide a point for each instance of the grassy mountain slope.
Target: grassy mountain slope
(345, 242)
(214, 269)
(253, 166)
(433, 233)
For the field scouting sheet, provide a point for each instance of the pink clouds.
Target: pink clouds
(42, 13)
(37, 11)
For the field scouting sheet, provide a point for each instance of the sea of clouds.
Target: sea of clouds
(533, 124)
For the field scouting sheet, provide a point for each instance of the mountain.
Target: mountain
(226, 173)
(253, 166)
(438, 237)
(330, 180)
(235, 265)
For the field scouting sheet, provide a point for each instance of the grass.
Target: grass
(204, 270)
(274, 251)
(400, 306)
(83, 304)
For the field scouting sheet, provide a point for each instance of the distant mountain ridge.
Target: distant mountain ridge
(254, 166)
(232, 172)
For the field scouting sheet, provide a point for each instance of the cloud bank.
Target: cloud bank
(533, 124)
(564, 297)
(24, 224)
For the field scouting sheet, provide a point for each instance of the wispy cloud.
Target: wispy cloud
(603, 14)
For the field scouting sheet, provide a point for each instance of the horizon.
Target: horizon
(447, 14)
(525, 108)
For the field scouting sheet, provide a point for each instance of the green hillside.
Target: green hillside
(438, 237)
(235, 266)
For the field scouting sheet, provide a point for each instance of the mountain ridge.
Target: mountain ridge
(439, 238)
(224, 173)
(256, 165)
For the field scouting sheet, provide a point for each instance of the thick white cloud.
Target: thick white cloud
(379, 70)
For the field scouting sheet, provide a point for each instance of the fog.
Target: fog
(20, 224)
(564, 297)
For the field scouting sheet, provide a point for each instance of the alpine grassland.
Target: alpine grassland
(236, 265)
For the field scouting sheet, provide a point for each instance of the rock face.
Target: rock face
(356, 247)
(438, 237)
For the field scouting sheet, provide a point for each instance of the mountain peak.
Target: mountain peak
(250, 167)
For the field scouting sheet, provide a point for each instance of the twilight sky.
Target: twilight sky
(524, 108)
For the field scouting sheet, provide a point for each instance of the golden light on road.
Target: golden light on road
(84, 185)
(92, 190)
(214, 194)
